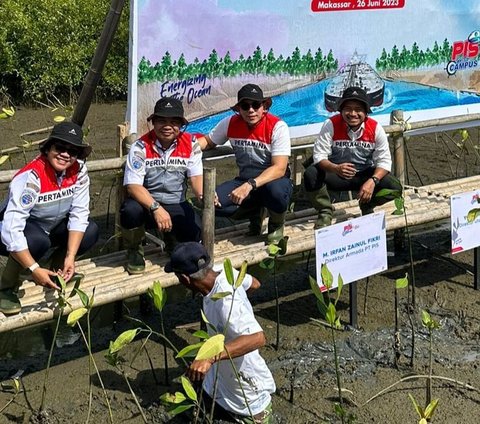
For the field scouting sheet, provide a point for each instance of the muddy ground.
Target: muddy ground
(303, 364)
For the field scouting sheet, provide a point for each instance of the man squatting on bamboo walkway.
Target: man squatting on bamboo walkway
(47, 206)
(156, 172)
(350, 153)
(261, 143)
(243, 337)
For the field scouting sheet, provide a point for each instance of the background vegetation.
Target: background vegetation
(46, 48)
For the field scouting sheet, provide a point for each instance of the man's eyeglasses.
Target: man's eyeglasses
(62, 148)
(247, 105)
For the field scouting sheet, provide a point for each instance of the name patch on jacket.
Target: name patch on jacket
(152, 163)
(356, 143)
(249, 143)
(56, 195)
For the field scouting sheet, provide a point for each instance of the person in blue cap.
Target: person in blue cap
(47, 206)
(232, 316)
(351, 153)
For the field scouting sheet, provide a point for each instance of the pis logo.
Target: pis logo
(464, 53)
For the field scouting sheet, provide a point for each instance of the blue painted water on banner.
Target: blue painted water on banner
(305, 106)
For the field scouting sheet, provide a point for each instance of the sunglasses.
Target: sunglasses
(247, 105)
(62, 148)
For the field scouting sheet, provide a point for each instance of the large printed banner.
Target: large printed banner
(465, 221)
(355, 249)
(419, 56)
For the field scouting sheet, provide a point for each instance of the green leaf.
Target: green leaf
(241, 274)
(201, 334)
(212, 347)
(170, 398)
(189, 390)
(418, 408)
(426, 319)
(83, 296)
(227, 266)
(322, 308)
(220, 295)
(398, 212)
(331, 314)
(282, 244)
(189, 351)
(3, 159)
(388, 192)
(399, 203)
(430, 409)
(9, 111)
(267, 263)
(59, 118)
(327, 277)
(472, 215)
(273, 249)
(3, 115)
(74, 316)
(339, 288)
(158, 294)
(91, 301)
(316, 290)
(123, 339)
(181, 408)
(62, 283)
(75, 289)
(204, 317)
(401, 283)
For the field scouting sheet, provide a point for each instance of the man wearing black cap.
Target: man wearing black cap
(350, 153)
(261, 143)
(158, 166)
(47, 206)
(231, 315)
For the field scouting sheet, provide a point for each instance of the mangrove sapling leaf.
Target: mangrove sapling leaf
(201, 334)
(241, 274)
(399, 205)
(331, 314)
(211, 348)
(282, 244)
(9, 111)
(316, 290)
(267, 263)
(384, 192)
(59, 118)
(3, 159)
(220, 295)
(273, 249)
(339, 288)
(428, 322)
(91, 301)
(190, 351)
(159, 295)
(122, 340)
(179, 397)
(189, 390)
(227, 266)
(327, 277)
(430, 409)
(181, 408)
(209, 324)
(75, 289)
(472, 215)
(83, 296)
(401, 283)
(74, 316)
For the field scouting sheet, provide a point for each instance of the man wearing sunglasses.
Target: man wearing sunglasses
(156, 173)
(47, 206)
(261, 143)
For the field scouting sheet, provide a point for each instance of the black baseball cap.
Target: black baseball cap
(168, 107)
(354, 93)
(188, 258)
(252, 92)
(70, 133)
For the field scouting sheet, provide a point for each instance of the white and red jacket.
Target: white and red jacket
(253, 147)
(163, 172)
(38, 193)
(365, 148)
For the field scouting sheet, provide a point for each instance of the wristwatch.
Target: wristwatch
(253, 183)
(154, 206)
(375, 180)
(33, 267)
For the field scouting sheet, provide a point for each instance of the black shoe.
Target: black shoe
(9, 302)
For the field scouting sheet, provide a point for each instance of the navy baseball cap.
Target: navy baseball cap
(188, 258)
(252, 92)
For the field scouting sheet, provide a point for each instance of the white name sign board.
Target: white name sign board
(465, 221)
(356, 248)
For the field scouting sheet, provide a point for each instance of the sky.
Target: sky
(195, 28)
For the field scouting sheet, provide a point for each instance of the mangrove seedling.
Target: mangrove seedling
(115, 360)
(431, 325)
(400, 283)
(74, 319)
(424, 414)
(15, 388)
(274, 251)
(328, 310)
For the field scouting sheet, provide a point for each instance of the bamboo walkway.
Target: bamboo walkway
(112, 283)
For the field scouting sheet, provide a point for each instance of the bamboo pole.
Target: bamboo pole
(208, 217)
(98, 62)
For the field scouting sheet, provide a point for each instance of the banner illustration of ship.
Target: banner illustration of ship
(356, 73)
